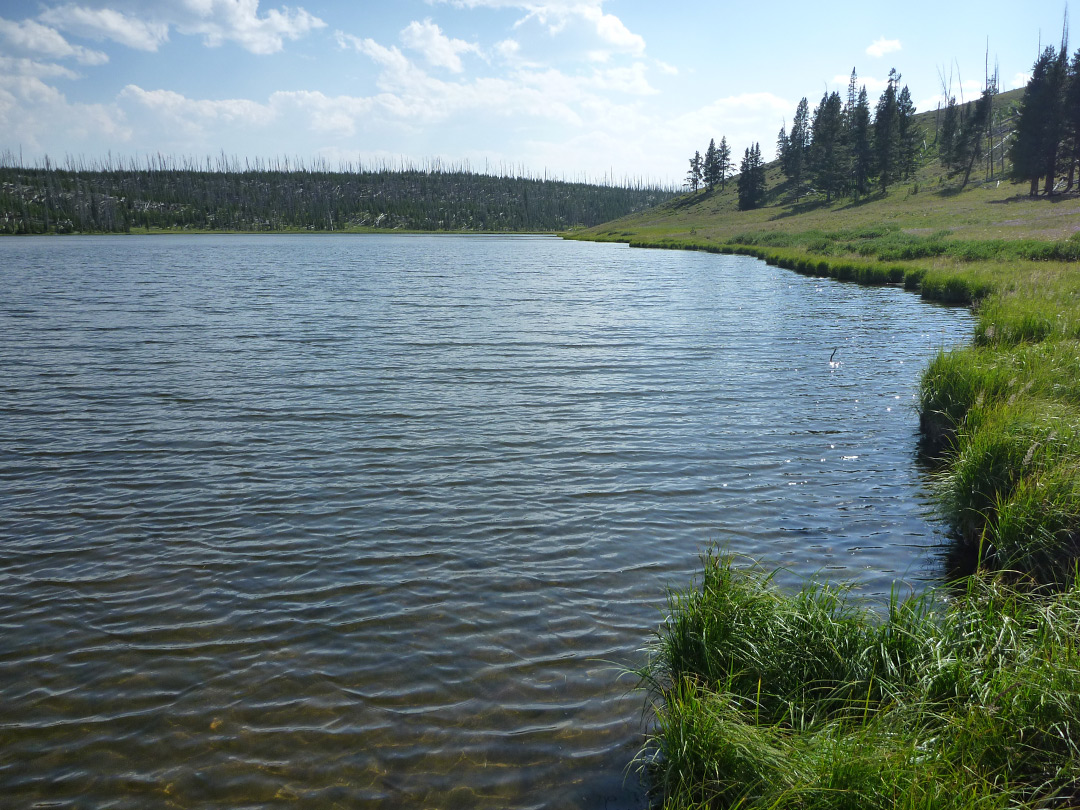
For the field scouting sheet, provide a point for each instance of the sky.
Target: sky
(601, 90)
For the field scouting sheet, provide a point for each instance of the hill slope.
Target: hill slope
(989, 207)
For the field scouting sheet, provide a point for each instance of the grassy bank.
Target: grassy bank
(770, 700)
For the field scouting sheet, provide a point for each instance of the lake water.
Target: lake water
(358, 521)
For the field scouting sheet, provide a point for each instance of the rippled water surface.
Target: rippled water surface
(363, 521)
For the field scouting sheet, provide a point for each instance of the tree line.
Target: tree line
(121, 197)
(846, 149)
(840, 149)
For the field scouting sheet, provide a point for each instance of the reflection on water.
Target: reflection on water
(359, 521)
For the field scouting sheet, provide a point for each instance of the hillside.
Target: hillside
(930, 202)
(160, 196)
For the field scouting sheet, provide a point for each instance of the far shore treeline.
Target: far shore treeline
(161, 193)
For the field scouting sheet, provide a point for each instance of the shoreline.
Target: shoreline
(287, 232)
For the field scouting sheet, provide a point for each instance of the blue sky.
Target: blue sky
(574, 88)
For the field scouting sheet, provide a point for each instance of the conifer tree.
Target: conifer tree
(852, 99)
(1039, 123)
(781, 143)
(693, 177)
(862, 154)
(907, 144)
(723, 160)
(798, 144)
(950, 129)
(827, 159)
(847, 131)
(887, 132)
(1072, 119)
(710, 170)
(751, 183)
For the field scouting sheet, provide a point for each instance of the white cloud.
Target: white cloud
(194, 113)
(630, 80)
(333, 115)
(881, 46)
(238, 21)
(1020, 80)
(439, 49)
(665, 68)
(412, 96)
(107, 23)
(145, 25)
(611, 29)
(508, 49)
(394, 62)
(744, 119)
(557, 14)
(12, 66)
(40, 118)
(32, 37)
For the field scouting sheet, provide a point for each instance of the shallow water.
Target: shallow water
(375, 521)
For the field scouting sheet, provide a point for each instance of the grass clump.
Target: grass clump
(810, 700)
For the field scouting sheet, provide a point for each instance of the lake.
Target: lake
(359, 521)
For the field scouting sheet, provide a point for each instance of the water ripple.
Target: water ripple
(380, 521)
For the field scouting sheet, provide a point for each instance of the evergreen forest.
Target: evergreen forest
(166, 194)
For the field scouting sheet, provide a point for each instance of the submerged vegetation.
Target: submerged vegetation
(121, 196)
(968, 696)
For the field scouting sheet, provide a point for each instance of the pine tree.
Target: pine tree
(710, 170)
(950, 129)
(1039, 123)
(751, 183)
(847, 131)
(798, 144)
(723, 160)
(887, 132)
(907, 145)
(1072, 118)
(759, 175)
(862, 153)
(781, 143)
(827, 159)
(693, 177)
(852, 99)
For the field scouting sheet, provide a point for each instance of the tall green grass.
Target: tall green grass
(766, 699)
(890, 243)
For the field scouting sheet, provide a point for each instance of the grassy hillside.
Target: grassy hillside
(965, 698)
